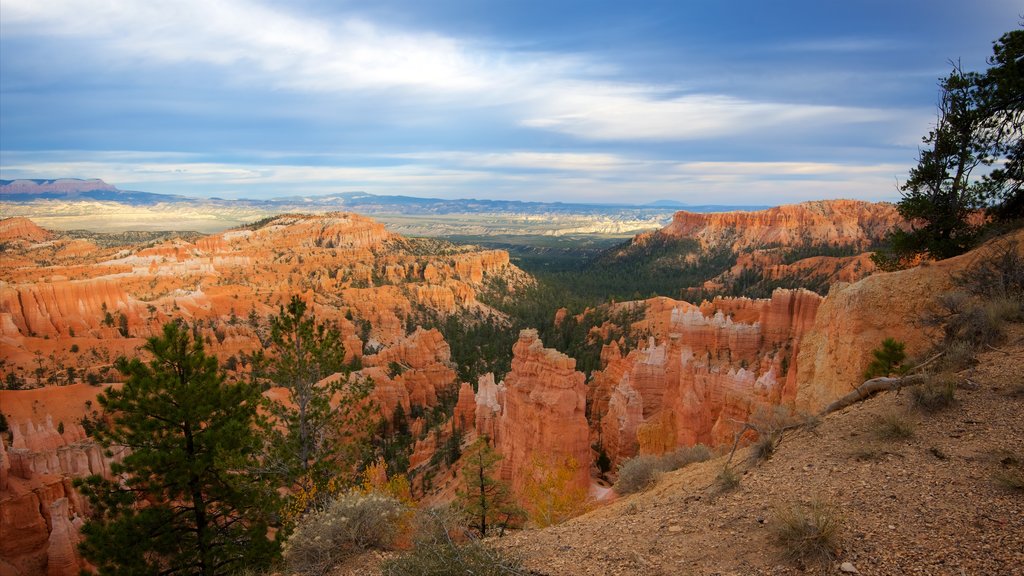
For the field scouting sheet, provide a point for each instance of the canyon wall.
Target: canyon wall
(703, 371)
(40, 511)
(821, 222)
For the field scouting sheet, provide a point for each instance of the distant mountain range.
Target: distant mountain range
(72, 189)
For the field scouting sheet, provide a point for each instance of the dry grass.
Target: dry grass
(727, 480)
(807, 534)
(764, 447)
(894, 425)
(436, 552)
(936, 395)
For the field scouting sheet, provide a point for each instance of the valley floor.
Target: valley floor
(924, 505)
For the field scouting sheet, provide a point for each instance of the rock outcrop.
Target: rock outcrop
(703, 371)
(543, 420)
(21, 229)
(822, 222)
(855, 318)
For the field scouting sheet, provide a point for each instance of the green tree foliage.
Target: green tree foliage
(980, 118)
(312, 443)
(487, 500)
(887, 360)
(184, 501)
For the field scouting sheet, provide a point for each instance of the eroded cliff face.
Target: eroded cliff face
(703, 371)
(855, 318)
(40, 512)
(543, 419)
(69, 307)
(535, 418)
(822, 222)
(68, 303)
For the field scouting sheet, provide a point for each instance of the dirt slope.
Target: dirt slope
(925, 505)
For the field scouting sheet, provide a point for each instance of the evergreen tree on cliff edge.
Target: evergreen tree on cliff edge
(972, 162)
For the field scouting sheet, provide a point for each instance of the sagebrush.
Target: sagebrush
(353, 522)
(641, 472)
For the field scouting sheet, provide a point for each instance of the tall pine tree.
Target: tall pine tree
(321, 430)
(182, 501)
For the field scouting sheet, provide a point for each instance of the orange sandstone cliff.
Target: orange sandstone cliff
(832, 222)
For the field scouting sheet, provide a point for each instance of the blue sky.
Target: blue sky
(699, 102)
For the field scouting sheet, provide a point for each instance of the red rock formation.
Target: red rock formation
(704, 369)
(833, 222)
(465, 408)
(23, 229)
(62, 557)
(349, 269)
(543, 415)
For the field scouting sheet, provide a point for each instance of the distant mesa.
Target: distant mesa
(28, 190)
(58, 186)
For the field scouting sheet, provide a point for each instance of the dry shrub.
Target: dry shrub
(353, 522)
(935, 395)
(894, 426)
(727, 480)
(1011, 473)
(682, 457)
(437, 552)
(640, 473)
(637, 474)
(763, 448)
(957, 355)
(807, 534)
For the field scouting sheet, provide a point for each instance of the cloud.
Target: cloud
(258, 41)
(571, 177)
(262, 46)
(610, 112)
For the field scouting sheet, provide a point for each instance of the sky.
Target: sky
(700, 101)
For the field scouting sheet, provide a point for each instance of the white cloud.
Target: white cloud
(245, 36)
(571, 177)
(268, 46)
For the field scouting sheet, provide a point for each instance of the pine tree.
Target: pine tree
(182, 501)
(312, 442)
(487, 500)
(887, 359)
(972, 162)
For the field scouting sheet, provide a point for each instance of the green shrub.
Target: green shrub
(888, 359)
(353, 522)
(807, 534)
(933, 396)
(436, 552)
(894, 426)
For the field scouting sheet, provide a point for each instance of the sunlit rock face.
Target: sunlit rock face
(703, 371)
(77, 304)
(72, 307)
(542, 421)
(822, 222)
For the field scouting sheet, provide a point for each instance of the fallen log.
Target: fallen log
(872, 387)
